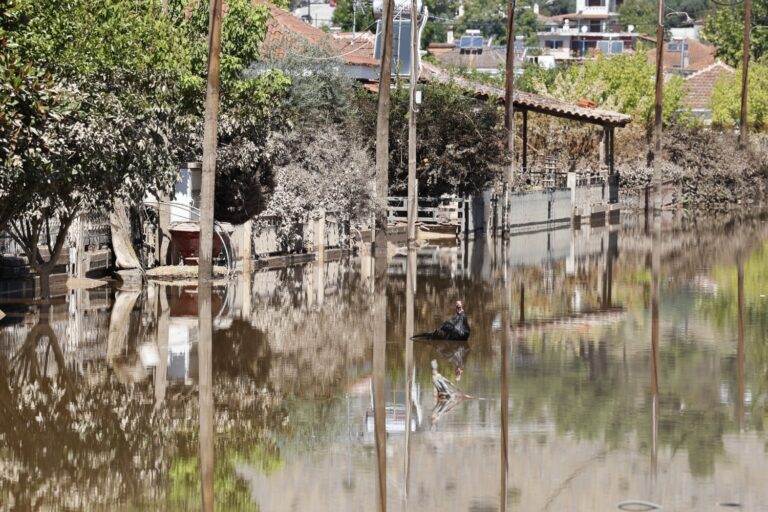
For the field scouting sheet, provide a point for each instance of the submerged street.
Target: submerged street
(99, 391)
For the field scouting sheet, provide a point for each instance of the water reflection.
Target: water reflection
(108, 399)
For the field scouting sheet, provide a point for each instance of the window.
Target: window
(595, 3)
(677, 47)
(610, 47)
(595, 26)
(553, 44)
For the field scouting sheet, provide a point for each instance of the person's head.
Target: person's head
(459, 307)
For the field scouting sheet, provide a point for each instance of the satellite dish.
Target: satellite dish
(630, 28)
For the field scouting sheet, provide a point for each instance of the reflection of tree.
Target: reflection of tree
(241, 350)
(595, 395)
(721, 310)
(70, 442)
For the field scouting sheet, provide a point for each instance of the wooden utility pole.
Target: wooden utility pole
(658, 108)
(743, 130)
(208, 182)
(382, 120)
(412, 198)
(205, 268)
(509, 118)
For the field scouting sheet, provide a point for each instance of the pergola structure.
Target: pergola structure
(528, 102)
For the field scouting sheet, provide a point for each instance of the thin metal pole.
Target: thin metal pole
(412, 126)
(509, 118)
(743, 130)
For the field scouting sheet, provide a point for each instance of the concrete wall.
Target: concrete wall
(533, 210)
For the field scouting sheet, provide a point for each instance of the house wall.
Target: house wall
(559, 53)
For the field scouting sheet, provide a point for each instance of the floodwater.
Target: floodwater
(571, 393)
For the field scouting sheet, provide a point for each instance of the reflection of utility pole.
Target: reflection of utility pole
(509, 118)
(504, 412)
(410, 369)
(743, 130)
(655, 292)
(656, 244)
(379, 411)
(740, 346)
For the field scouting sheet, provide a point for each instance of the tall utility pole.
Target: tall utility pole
(412, 198)
(509, 118)
(382, 120)
(208, 182)
(658, 108)
(743, 130)
(205, 268)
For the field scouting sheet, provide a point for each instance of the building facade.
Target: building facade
(593, 29)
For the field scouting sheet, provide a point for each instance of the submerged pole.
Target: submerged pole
(205, 268)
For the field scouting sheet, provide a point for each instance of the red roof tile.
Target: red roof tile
(698, 55)
(700, 85)
(283, 26)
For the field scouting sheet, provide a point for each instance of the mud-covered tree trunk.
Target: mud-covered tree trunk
(44, 274)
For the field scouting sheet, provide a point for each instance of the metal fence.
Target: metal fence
(430, 210)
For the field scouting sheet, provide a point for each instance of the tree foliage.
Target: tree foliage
(490, 17)
(624, 83)
(640, 13)
(461, 141)
(353, 15)
(319, 166)
(726, 98)
(725, 29)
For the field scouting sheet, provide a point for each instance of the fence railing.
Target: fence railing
(430, 210)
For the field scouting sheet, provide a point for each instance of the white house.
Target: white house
(593, 28)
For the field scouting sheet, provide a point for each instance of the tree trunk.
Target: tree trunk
(44, 274)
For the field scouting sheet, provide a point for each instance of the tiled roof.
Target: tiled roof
(700, 85)
(527, 101)
(698, 54)
(283, 27)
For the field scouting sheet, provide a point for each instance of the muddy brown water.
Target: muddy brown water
(319, 402)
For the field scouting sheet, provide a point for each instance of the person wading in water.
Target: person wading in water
(456, 328)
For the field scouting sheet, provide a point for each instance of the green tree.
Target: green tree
(726, 98)
(556, 7)
(624, 83)
(29, 102)
(354, 15)
(640, 13)
(725, 29)
(490, 17)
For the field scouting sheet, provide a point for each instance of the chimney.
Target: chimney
(536, 9)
